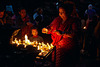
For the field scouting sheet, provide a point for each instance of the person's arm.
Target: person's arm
(52, 27)
(28, 22)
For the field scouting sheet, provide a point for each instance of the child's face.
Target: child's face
(22, 13)
(34, 32)
(1, 14)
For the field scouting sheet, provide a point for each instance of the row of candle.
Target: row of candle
(44, 48)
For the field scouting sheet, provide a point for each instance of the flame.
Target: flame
(84, 27)
(48, 45)
(27, 41)
(44, 48)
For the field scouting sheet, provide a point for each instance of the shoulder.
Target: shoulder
(35, 15)
(57, 19)
(94, 10)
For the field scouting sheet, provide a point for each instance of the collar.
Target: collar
(35, 36)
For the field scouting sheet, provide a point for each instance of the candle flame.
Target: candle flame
(40, 46)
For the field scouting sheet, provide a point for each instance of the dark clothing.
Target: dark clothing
(90, 13)
(5, 29)
(5, 21)
(22, 24)
(97, 35)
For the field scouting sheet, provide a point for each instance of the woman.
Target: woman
(63, 30)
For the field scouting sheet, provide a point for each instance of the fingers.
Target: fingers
(45, 30)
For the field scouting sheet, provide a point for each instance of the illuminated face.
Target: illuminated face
(62, 13)
(1, 14)
(34, 32)
(22, 13)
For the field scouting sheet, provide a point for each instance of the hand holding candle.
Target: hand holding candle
(45, 30)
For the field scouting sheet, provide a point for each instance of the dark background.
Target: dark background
(31, 5)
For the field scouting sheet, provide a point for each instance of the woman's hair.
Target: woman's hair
(68, 7)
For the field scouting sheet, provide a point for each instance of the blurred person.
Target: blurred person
(9, 11)
(89, 14)
(89, 38)
(90, 17)
(97, 38)
(5, 20)
(5, 27)
(38, 16)
(23, 22)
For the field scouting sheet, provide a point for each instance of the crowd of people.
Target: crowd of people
(66, 30)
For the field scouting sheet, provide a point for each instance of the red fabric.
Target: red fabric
(57, 25)
(35, 36)
(63, 44)
(26, 29)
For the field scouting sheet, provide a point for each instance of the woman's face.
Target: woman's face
(62, 13)
(22, 13)
(34, 32)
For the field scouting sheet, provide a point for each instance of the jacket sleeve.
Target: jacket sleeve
(52, 27)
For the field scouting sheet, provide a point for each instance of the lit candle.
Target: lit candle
(48, 46)
(36, 43)
(84, 27)
(40, 54)
(38, 48)
(19, 41)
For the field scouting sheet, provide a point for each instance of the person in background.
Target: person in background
(5, 20)
(9, 11)
(38, 16)
(5, 28)
(91, 22)
(35, 36)
(89, 14)
(38, 19)
(97, 39)
(64, 32)
(23, 22)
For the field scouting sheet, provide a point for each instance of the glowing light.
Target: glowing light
(44, 48)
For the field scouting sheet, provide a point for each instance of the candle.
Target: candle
(36, 43)
(40, 54)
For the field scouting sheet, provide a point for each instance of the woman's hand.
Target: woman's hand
(29, 23)
(45, 30)
(57, 32)
(67, 35)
